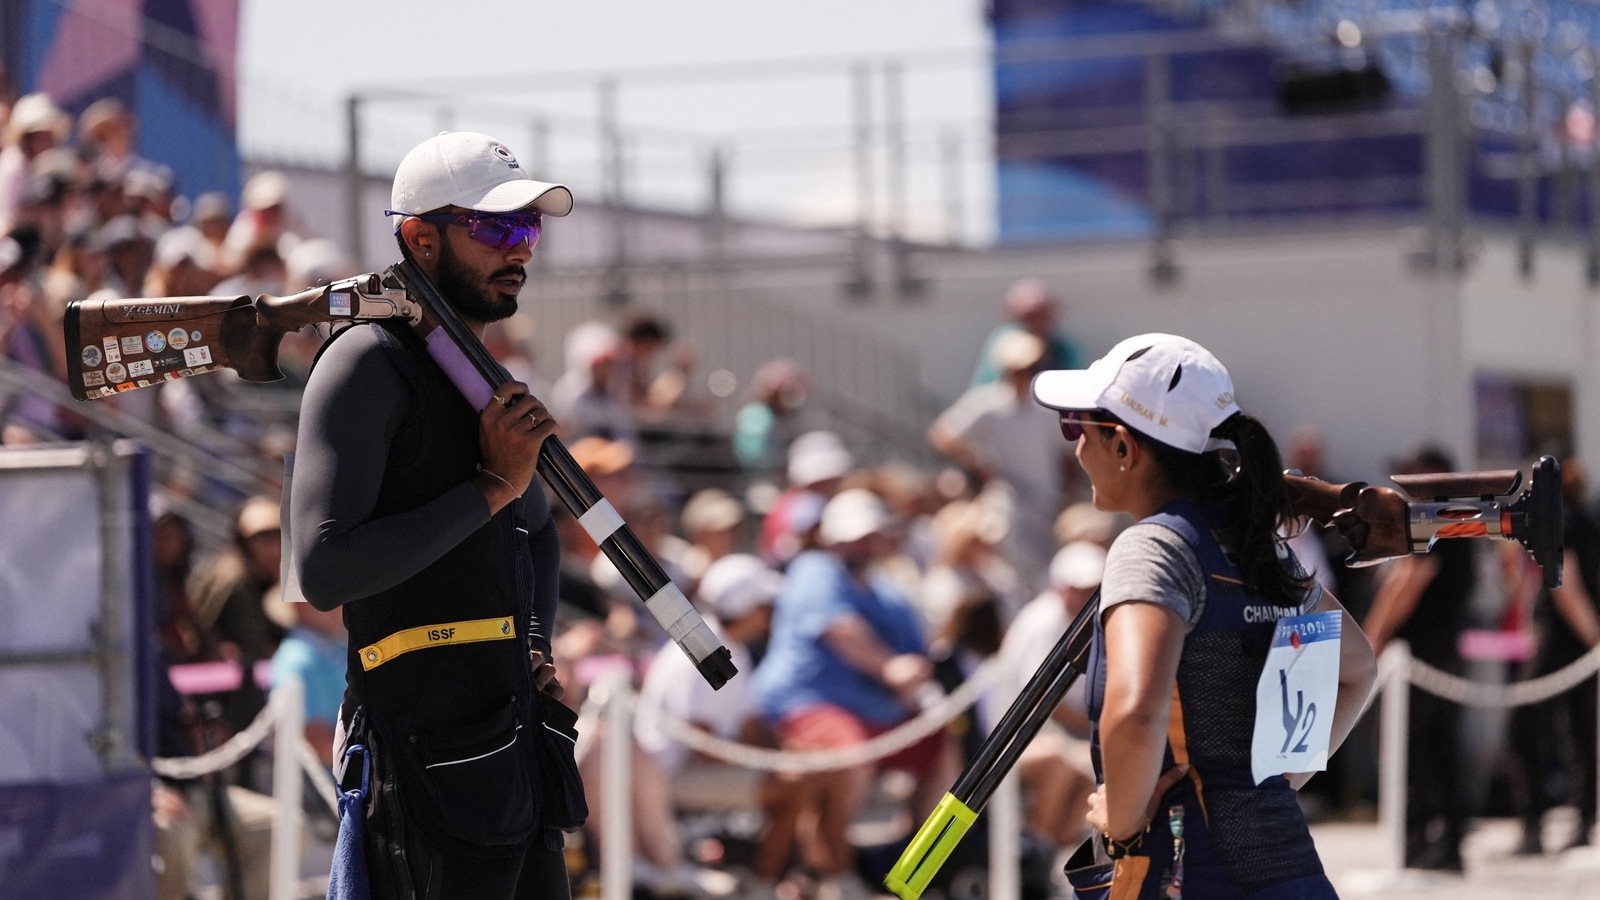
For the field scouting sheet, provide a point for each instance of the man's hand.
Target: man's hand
(510, 430)
(544, 675)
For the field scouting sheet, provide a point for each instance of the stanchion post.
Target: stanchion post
(287, 821)
(1395, 674)
(616, 782)
(1004, 816)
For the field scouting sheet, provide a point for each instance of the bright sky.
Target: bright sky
(505, 66)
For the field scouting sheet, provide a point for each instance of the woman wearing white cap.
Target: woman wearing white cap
(1183, 696)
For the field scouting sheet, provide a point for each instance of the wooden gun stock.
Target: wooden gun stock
(1381, 523)
(120, 345)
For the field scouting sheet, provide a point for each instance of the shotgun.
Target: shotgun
(121, 345)
(1380, 523)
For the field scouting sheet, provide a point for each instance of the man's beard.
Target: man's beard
(479, 302)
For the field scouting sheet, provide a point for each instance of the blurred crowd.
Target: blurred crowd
(851, 596)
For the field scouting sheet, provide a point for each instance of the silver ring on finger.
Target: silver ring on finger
(533, 420)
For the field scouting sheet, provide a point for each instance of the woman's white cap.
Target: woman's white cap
(1161, 385)
(471, 170)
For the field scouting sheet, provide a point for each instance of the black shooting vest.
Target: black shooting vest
(1240, 839)
(455, 722)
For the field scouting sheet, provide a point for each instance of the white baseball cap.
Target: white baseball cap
(1160, 385)
(472, 170)
(818, 456)
(737, 584)
(852, 515)
(1079, 564)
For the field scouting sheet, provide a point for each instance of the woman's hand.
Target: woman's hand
(544, 676)
(1099, 821)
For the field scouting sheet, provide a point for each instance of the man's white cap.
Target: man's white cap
(818, 456)
(1160, 385)
(737, 584)
(472, 170)
(852, 515)
(1079, 564)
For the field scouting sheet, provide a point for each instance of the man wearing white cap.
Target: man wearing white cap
(416, 514)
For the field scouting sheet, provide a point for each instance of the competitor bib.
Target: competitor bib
(1295, 697)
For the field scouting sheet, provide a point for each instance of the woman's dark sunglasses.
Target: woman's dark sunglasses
(1073, 424)
(501, 231)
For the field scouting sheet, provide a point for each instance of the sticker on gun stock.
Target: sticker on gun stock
(116, 373)
(141, 368)
(93, 379)
(177, 339)
(156, 341)
(132, 344)
(197, 356)
(112, 354)
(90, 357)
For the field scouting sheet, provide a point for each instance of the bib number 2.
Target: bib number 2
(1295, 696)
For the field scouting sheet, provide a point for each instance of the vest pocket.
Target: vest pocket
(475, 777)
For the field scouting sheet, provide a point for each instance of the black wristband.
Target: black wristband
(1118, 849)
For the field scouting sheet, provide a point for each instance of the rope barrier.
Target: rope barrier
(931, 719)
(1476, 693)
(226, 754)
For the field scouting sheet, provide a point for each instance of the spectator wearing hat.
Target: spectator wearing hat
(30, 337)
(1030, 307)
(966, 536)
(1012, 448)
(710, 521)
(129, 243)
(818, 462)
(767, 422)
(1056, 771)
(262, 221)
(232, 590)
(845, 663)
(35, 125)
(589, 396)
(736, 595)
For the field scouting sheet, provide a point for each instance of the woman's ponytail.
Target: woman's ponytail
(1258, 505)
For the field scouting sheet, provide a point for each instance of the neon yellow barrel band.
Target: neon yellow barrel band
(424, 636)
(932, 845)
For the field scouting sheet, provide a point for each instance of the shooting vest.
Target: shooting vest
(440, 661)
(1239, 838)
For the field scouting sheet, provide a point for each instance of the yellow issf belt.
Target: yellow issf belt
(425, 636)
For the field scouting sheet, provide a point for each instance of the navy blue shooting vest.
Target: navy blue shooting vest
(1240, 839)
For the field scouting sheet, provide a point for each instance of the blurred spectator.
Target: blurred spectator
(588, 399)
(1083, 521)
(998, 433)
(147, 193)
(50, 207)
(652, 389)
(312, 263)
(262, 222)
(1554, 741)
(260, 271)
(846, 662)
(29, 337)
(1423, 600)
(184, 638)
(737, 598)
(508, 341)
(1032, 308)
(129, 243)
(710, 521)
(34, 126)
(966, 562)
(818, 461)
(314, 652)
(233, 592)
(181, 266)
(1055, 769)
(211, 215)
(107, 137)
(766, 424)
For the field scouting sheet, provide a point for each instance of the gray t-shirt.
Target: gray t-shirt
(1154, 564)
